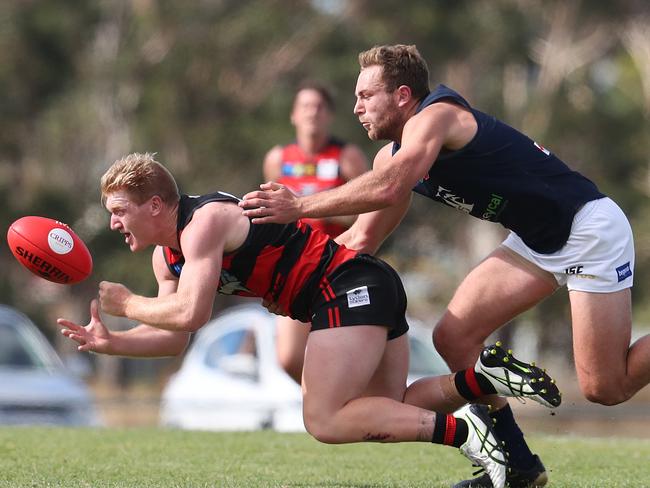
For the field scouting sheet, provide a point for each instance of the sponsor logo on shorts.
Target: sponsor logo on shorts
(358, 297)
(586, 276)
(624, 272)
(577, 272)
(574, 270)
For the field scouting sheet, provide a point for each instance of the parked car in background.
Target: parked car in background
(35, 386)
(230, 378)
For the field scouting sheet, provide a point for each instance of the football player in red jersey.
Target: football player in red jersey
(357, 354)
(313, 162)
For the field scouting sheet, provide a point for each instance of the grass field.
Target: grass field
(53, 457)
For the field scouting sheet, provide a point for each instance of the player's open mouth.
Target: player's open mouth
(127, 237)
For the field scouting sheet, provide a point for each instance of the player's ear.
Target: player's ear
(156, 204)
(404, 95)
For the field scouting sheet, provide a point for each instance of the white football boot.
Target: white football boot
(513, 378)
(482, 446)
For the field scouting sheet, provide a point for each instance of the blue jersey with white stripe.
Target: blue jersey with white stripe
(503, 176)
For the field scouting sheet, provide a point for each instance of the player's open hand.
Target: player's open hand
(93, 337)
(113, 298)
(275, 204)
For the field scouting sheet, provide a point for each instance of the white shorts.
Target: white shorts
(599, 255)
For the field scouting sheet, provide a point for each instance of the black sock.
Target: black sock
(472, 385)
(509, 432)
(449, 430)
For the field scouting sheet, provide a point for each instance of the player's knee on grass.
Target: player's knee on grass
(320, 427)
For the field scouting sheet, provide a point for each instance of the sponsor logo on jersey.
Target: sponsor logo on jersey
(452, 200)
(298, 170)
(327, 169)
(358, 297)
(230, 285)
(542, 148)
(624, 271)
(494, 208)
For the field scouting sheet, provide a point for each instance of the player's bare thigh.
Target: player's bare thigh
(501, 287)
(602, 327)
(339, 366)
(389, 379)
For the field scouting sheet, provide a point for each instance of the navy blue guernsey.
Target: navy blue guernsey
(503, 176)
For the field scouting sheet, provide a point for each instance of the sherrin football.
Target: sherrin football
(50, 249)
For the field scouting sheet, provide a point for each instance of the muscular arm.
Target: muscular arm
(211, 231)
(371, 229)
(144, 340)
(385, 185)
(140, 341)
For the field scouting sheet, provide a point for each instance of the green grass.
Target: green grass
(53, 457)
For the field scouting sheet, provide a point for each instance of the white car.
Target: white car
(230, 378)
(35, 386)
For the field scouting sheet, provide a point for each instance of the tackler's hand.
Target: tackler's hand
(275, 204)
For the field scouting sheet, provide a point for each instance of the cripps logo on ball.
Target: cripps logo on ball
(42, 266)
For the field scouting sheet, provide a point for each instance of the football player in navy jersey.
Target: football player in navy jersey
(564, 231)
(356, 359)
(313, 162)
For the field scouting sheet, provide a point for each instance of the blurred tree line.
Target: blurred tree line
(208, 86)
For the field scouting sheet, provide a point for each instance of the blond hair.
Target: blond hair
(142, 177)
(401, 65)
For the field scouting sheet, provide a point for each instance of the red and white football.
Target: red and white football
(50, 249)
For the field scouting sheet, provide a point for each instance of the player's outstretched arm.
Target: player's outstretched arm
(93, 337)
(140, 341)
(214, 229)
(371, 229)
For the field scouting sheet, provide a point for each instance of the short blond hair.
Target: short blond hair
(401, 65)
(142, 177)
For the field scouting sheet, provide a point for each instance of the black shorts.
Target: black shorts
(361, 291)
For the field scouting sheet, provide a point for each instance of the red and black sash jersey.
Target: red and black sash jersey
(284, 263)
(305, 174)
